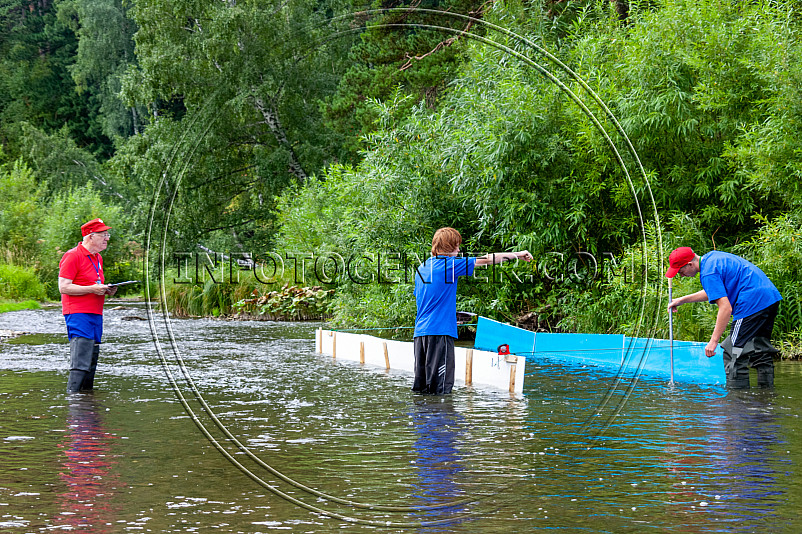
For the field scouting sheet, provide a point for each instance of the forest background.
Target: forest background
(338, 126)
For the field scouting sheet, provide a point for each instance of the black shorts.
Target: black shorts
(434, 365)
(758, 324)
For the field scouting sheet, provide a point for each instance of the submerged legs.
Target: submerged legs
(83, 362)
(758, 352)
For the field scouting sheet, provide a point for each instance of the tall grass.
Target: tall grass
(248, 296)
(209, 299)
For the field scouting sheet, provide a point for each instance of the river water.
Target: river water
(251, 431)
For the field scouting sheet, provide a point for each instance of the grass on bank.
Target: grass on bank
(20, 289)
(10, 305)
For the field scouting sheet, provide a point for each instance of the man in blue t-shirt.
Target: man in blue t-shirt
(739, 288)
(436, 299)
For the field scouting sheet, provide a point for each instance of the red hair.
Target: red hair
(445, 240)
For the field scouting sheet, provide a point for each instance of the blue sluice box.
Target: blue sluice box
(630, 355)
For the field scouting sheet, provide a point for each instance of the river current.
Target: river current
(241, 427)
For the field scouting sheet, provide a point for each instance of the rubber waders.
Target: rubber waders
(81, 355)
(76, 380)
(765, 377)
(89, 380)
(758, 353)
(762, 359)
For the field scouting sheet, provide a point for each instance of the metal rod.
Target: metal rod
(671, 334)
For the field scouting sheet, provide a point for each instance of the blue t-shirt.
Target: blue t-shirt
(748, 289)
(436, 294)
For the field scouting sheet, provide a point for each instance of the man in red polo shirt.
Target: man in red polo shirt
(83, 291)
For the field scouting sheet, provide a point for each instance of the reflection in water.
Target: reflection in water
(438, 428)
(735, 449)
(88, 470)
(742, 448)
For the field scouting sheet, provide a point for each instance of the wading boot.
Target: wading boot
(740, 380)
(765, 376)
(763, 360)
(89, 381)
(735, 366)
(76, 380)
(81, 352)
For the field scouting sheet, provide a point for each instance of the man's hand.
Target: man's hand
(673, 305)
(99, 289)
(710, 348)
(110, 291)
(699, 296)
(494, 258)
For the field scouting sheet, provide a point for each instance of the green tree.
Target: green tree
(36, 52)
(245, 80)
(508, 159)
(694, 79)
(396, 50)
(59, 164)
(105, 51)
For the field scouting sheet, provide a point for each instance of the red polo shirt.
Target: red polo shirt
(83, 269)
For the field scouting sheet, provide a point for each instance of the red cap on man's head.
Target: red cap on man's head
(95, 225)
(678, 259)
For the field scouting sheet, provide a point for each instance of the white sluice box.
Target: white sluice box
(472, 367)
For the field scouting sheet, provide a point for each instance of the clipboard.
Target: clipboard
(118, 284)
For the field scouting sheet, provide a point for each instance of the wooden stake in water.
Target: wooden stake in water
(468, 367)
(671, 334)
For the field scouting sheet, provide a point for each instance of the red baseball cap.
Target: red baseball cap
(679, 258)
(95, 225)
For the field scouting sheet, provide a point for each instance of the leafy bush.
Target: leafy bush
(20, 213)
(249, 295)
(207, 298)
(61, 231)
(375, 306)
(20, 283)
(291, 302)
(777, 249)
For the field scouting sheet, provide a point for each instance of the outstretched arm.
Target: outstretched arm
(499, 257)
(699, 296)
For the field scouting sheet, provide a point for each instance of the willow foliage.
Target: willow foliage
(703, 90)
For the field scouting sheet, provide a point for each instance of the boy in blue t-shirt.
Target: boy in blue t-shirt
(436, 299)
(739, 288)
